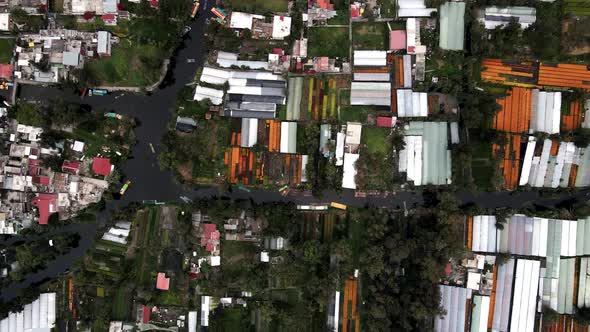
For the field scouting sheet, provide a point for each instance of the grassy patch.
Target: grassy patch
(56, 6)
(170, 297)
(230, 319)
(330, 42)
(354, 113)
(388, 8)
(259, 6)
(6, 49)
(370, 36)
(136, 65)
(376, 139)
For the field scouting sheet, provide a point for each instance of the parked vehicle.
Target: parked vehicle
(124, 188)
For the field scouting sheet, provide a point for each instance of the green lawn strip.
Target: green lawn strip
(342, 18)
(6, 49)
(171, 297)
(376, 139)
(330, 42)
(231, 319)
(354, 113)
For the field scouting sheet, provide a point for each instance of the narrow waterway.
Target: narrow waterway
(150, 183)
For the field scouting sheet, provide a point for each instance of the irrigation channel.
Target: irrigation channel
(153, 113)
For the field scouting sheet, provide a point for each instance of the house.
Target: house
(109, 19)
(102, 166)
(104, 43)
(397, 40)
(98, 7)
(71, 167)
(210, 237)
(162, 283)
(46, 205)
(281, 27)
(239, 20)
(452, 26)
(6, 71)
(185, 124)
(385, 121)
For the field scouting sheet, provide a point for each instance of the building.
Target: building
(240, 20)
(496, 16)
(249, 132)
(228, 60)
(204, 93)
(102, 166)
(288, 137)
(452, 26)
(411, 104)
(185, 124)
(546, 111)
(431, 165)
(46, 204)
(104, 43)
(98, 7)
(281, 27)
(39, 316)
(370, 58)
(162, 283)
(5, 22)
(454, 303)
(413, 8)
(397, 40)
(370, 93)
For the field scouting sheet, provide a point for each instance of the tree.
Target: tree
(582, 137)
(29, 114)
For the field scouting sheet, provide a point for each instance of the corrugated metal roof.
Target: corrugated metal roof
(411, 104)
(583, 177)
(349, 171)
(294, 98)
(495, 16)
(451, 18)
(370, 93)
(370, 58)
(415, 12)
(251, 114)
(202, 93)
(454, 132)
(584, 283)
(525, 295)
(340, 149)
(565, 290)
(480, 313)
(436, 167)
(376, 77)
(454, 303)
(546, 111)
(410, 159)
(484, 234)
(249, 132)
(288, 137)
(407, 61)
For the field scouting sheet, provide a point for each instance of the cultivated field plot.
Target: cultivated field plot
(6, 49)
(515, 111)
(330, 42)
(571, 115)
(577, 7)
(370, 36)
(319, 100)
(575, 34)
(511, 160)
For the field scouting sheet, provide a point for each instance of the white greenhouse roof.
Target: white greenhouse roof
(524, 303)
(202, 93)
(370, 58)
(546, 111)
(288, 137)
(411, 104)
(454, 303)
(484, 234)
(249, 132)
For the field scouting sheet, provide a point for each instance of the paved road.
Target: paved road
(150, 183)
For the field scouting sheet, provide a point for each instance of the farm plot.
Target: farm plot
(510, 155)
